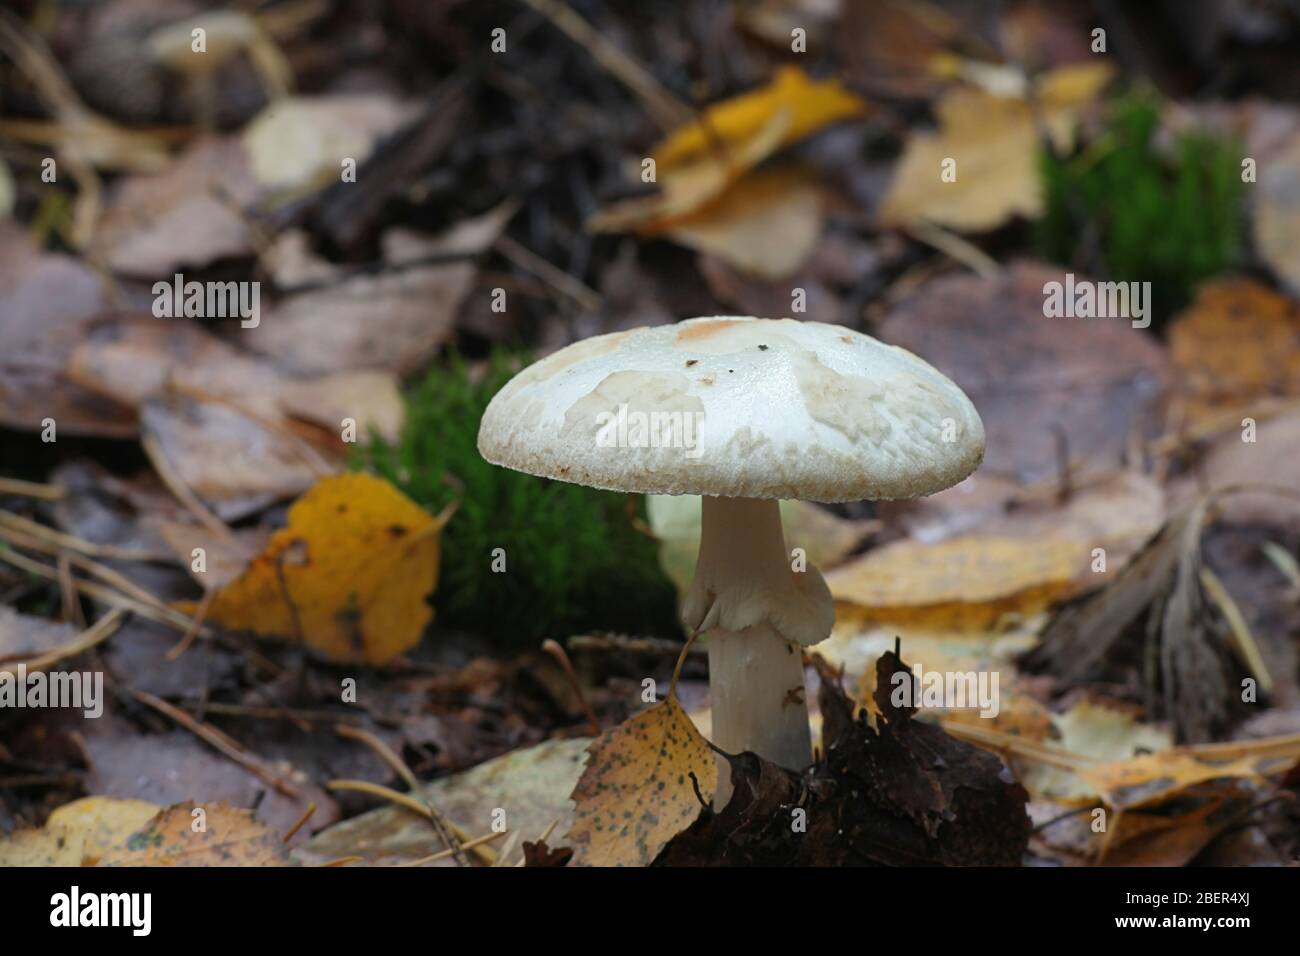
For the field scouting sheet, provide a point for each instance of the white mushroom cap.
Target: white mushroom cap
(746, 408)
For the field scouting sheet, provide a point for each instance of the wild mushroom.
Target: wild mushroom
(745, 412)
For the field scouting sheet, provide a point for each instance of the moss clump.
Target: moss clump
(574, 561)
(1122, 207)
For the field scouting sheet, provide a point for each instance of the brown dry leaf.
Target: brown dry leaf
(299, 142)
(1151, 779)
(994, 141)
(45, 302)
(230, 837)
(224, 558)
(686, 187)
(1276, 213)
(1119, 513)
(1268, 460)
(190, 214)
(1237, 343)
(203, 206)
(349, 575)
(1138, 838)
(371, 398)
(172, 767)
(532, 784)
(393, 319)
(962, 583)
(766, 225)
(636, 792)
(893, 46)
(235, 462)
(129, 358)
(77, 833)
(1044, 386)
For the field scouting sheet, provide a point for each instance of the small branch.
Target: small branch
(219, 741)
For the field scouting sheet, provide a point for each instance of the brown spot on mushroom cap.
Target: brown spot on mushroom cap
(695, 331)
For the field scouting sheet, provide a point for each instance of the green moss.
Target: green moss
(574, 560)
(1124, 208)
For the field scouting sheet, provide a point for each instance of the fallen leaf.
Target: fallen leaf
(46, 300)
(393, 319)
(1118, 513)
(25, 635)
(100, 823)
(1046, 388)
(531, 784)
(637, 791)
(235, 462)
(230, 837)
(686, 187)
(173, 767)
(204, 206)
(189, 215)
(1276, 213)
(1270, 459)
(130, 358)
(964, 582)
(299, 142)
(994, 141)
(77, 833)
(812, 105)
(348, 576)
(766, 225)
(1237, 343)
(696, 164)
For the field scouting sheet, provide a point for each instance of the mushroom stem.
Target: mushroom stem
(746, 596)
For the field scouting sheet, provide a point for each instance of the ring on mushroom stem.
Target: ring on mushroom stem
(745, 412)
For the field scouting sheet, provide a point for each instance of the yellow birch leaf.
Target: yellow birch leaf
(962, 583)
(349, 574)
(813, 104)
(1237, 343)
(77, 833)
(635, 793)
(230, 837)
(994, 142)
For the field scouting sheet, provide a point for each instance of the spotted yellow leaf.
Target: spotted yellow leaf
(348, 576)
(636, 792)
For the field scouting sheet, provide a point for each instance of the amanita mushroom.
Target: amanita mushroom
(745, 412)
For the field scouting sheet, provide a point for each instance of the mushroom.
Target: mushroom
(745, 412)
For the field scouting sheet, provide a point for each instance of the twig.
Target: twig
(440, 823)
(668, 111)
(482, 851)
(955, 247)
(102, 630)
(567, 285)
(223, 743)
(184, 494)
(62, 539)
(169, 616)
(557, 652)
(196, 625)
(30, 489)
(302, 821)
(468, 845)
